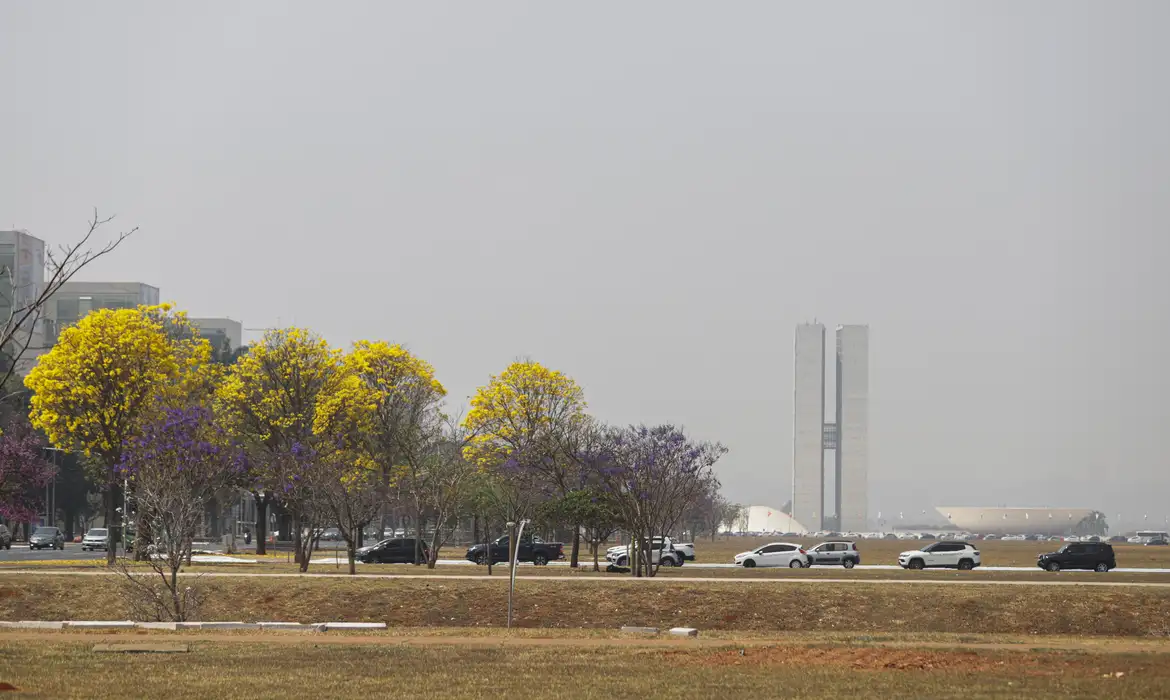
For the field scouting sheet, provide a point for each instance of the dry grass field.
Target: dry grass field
(63, 665)
(736, 606)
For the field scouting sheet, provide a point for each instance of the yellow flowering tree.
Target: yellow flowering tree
(106, 376)
(388, 406)
(519, 425)
(268, 402)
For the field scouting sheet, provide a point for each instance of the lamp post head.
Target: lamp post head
(509, 524)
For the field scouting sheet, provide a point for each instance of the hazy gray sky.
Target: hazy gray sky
(649, 196)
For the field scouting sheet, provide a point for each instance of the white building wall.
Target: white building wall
(808, 454)
(853, 427)
(233, 330)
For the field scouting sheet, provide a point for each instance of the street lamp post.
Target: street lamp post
(515, 559)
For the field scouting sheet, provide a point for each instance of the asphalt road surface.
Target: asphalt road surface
(21, 552)
(601, 580)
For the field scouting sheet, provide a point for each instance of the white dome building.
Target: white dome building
(1014, 521)
(764, 520)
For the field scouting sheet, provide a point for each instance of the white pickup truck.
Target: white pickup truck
(663, 552)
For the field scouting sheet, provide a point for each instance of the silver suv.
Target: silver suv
(834, 554)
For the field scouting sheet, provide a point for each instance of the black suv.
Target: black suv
(1095, 556)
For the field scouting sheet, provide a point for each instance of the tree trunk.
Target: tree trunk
(351, 552)
(261, 526)
(434, 557)
(112, 530)
(296, 538)
(70, 516)
(576, 546)
(596, 546)
(474, 529)
(487, 538)
(418, 536)
(142, 539)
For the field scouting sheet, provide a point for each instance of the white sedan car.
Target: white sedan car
(775, 554)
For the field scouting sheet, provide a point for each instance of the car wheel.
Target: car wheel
(540, 560)
(1102, 567)
(966, 565)
(849, 564)
(1052, 566)
(916, 564)
(666, 561)
(749, 563)
(480, 559)
(795, 564)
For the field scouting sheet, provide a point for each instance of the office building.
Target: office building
(22, 281)
(220, 332)
(847, 436)
(852, 428)
(74, 300)
(808, 420)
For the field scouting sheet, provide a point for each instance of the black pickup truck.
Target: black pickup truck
(531, 549)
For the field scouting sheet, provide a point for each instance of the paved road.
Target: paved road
(71, 552)
(691, 565)
(665, 580)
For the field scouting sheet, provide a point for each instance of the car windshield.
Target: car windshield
(97, 532)
(45, 531)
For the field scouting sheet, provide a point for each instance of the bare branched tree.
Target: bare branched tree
(26, 301)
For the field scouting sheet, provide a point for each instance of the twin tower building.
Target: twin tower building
(847, 436)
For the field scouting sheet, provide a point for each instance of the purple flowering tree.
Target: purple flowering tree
(176, 466)
(24, 471)
(654, 474)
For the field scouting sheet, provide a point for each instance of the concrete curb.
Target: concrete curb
(352, 625)
(33, 625)
(227, 625)
(175, 626)
(639, 630)
(99, 624)
(294, 626)
(684, 631)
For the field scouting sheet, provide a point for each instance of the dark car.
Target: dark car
(1157, 542)
(50, 537)
(397, 550)
(1093, 556)
(834, 554)
(531, 549)
(1119, 539)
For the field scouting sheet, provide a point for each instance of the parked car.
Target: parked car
(775, 554)
(686, 549)
(531, 549)
(953, 555)
(396, 550)
(1118, 539)
(96, 538)
(43, 537)
(834, 554)
(1096, 556)
(662, 553)
(1015, 538)
(1157, 542)
(5, 537)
